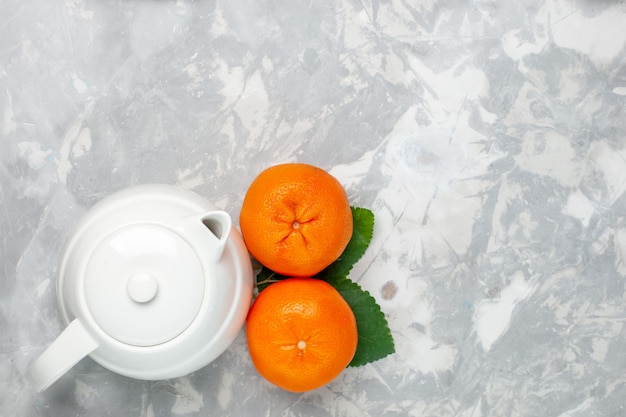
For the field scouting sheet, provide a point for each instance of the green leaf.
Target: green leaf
(363, 229)
(375, 341)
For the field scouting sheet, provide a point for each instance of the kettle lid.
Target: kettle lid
(143, 284)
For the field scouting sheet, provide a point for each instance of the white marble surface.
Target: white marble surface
(488, 137)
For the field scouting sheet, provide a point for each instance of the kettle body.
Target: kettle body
(154, 283)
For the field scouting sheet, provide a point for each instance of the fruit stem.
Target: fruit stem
(268, 280)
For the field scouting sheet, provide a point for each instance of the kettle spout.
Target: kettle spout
(73, 344)
(211, 229)
(219, 223)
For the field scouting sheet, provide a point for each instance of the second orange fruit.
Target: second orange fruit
(295, 219)
(301, 333)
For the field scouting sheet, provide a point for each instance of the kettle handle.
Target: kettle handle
(73, 344)
(212, 227)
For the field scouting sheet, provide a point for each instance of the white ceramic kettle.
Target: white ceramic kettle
(154, 283)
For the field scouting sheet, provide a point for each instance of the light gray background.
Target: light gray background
(488, 137)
